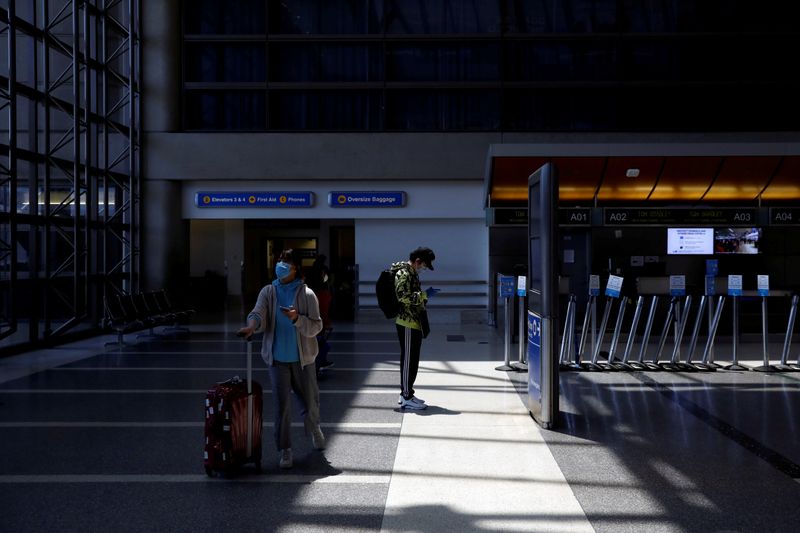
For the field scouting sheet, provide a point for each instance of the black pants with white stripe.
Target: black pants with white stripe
(410, 343)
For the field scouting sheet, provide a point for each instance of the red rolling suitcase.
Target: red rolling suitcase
(234, 422)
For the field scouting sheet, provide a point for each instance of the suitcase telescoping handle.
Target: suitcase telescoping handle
(249, 341)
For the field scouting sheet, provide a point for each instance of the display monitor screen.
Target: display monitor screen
(690, 241)
(737, 240)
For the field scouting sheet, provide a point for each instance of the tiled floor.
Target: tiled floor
(111, 440)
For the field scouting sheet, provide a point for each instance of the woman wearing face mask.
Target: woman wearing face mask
(287, 312)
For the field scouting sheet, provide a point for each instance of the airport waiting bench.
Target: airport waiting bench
(129, 313)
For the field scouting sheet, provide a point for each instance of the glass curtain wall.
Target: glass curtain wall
(69, 165)
(516, 65)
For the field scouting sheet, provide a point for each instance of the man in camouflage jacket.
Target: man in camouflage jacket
(411, 319)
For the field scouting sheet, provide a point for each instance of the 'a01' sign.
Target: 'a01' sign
(574, 216)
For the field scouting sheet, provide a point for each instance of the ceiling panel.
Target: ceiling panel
(685, 179)
(510, 178)
(742, 178)
(664, 179)
(617, 186)
(786, 183)
(578, 177)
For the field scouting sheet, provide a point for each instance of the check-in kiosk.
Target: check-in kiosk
(543, 296)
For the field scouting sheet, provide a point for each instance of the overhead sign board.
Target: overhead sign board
(575, 216)
(655, 216)
(367, 199)
(499, 216)
(784, 216)
(254, 199)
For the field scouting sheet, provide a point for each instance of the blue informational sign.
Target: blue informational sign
(763, 285)
(594, 285)
(255, 199)
(614, 286)
(521, 286)
(710, 286)
(506, 286)
(677, 285)
(712, 267)
(734, 285)
(534, 356)
(367, 199)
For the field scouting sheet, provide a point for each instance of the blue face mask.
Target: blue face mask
(282, 269)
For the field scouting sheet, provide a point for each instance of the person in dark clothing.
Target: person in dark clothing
(318, 282)
(412, 320)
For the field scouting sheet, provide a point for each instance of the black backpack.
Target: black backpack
(387, 297)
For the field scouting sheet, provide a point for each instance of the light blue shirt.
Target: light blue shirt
(284, 345)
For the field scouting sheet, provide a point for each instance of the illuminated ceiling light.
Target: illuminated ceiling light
(632, 173)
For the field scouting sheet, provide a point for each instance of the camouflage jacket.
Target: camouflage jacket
(410, 295)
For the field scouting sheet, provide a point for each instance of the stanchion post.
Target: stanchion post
(680, 323)
(696, 330)
(735, 290)
(634, 325)
(665, 331)
(787, 341)
(612, 350)
(648, 328)
(506, 292)
(735, 338)
(711, 313)
(523, 334)
(522, 364)
(763, 290)
(602, 332)
(584, 329)
(712, 332)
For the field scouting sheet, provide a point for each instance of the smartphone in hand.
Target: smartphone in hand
(285, 309)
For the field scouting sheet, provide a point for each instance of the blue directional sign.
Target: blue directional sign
(506, 286)
(254, 199)
(534, 356)
(367, 199)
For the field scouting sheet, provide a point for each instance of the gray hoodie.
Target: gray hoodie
(307, 326)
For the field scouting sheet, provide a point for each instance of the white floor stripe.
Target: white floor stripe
(242, 353)
(190, 478)
(392, 390)
(201, 369)
(89, 424)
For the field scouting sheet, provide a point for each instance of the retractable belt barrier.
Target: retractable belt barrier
(681, 309)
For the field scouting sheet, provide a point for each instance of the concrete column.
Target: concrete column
(161, 65)
(165, 239)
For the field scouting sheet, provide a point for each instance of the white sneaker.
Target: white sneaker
(285, 458)
(412, 404)
(400, 399)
